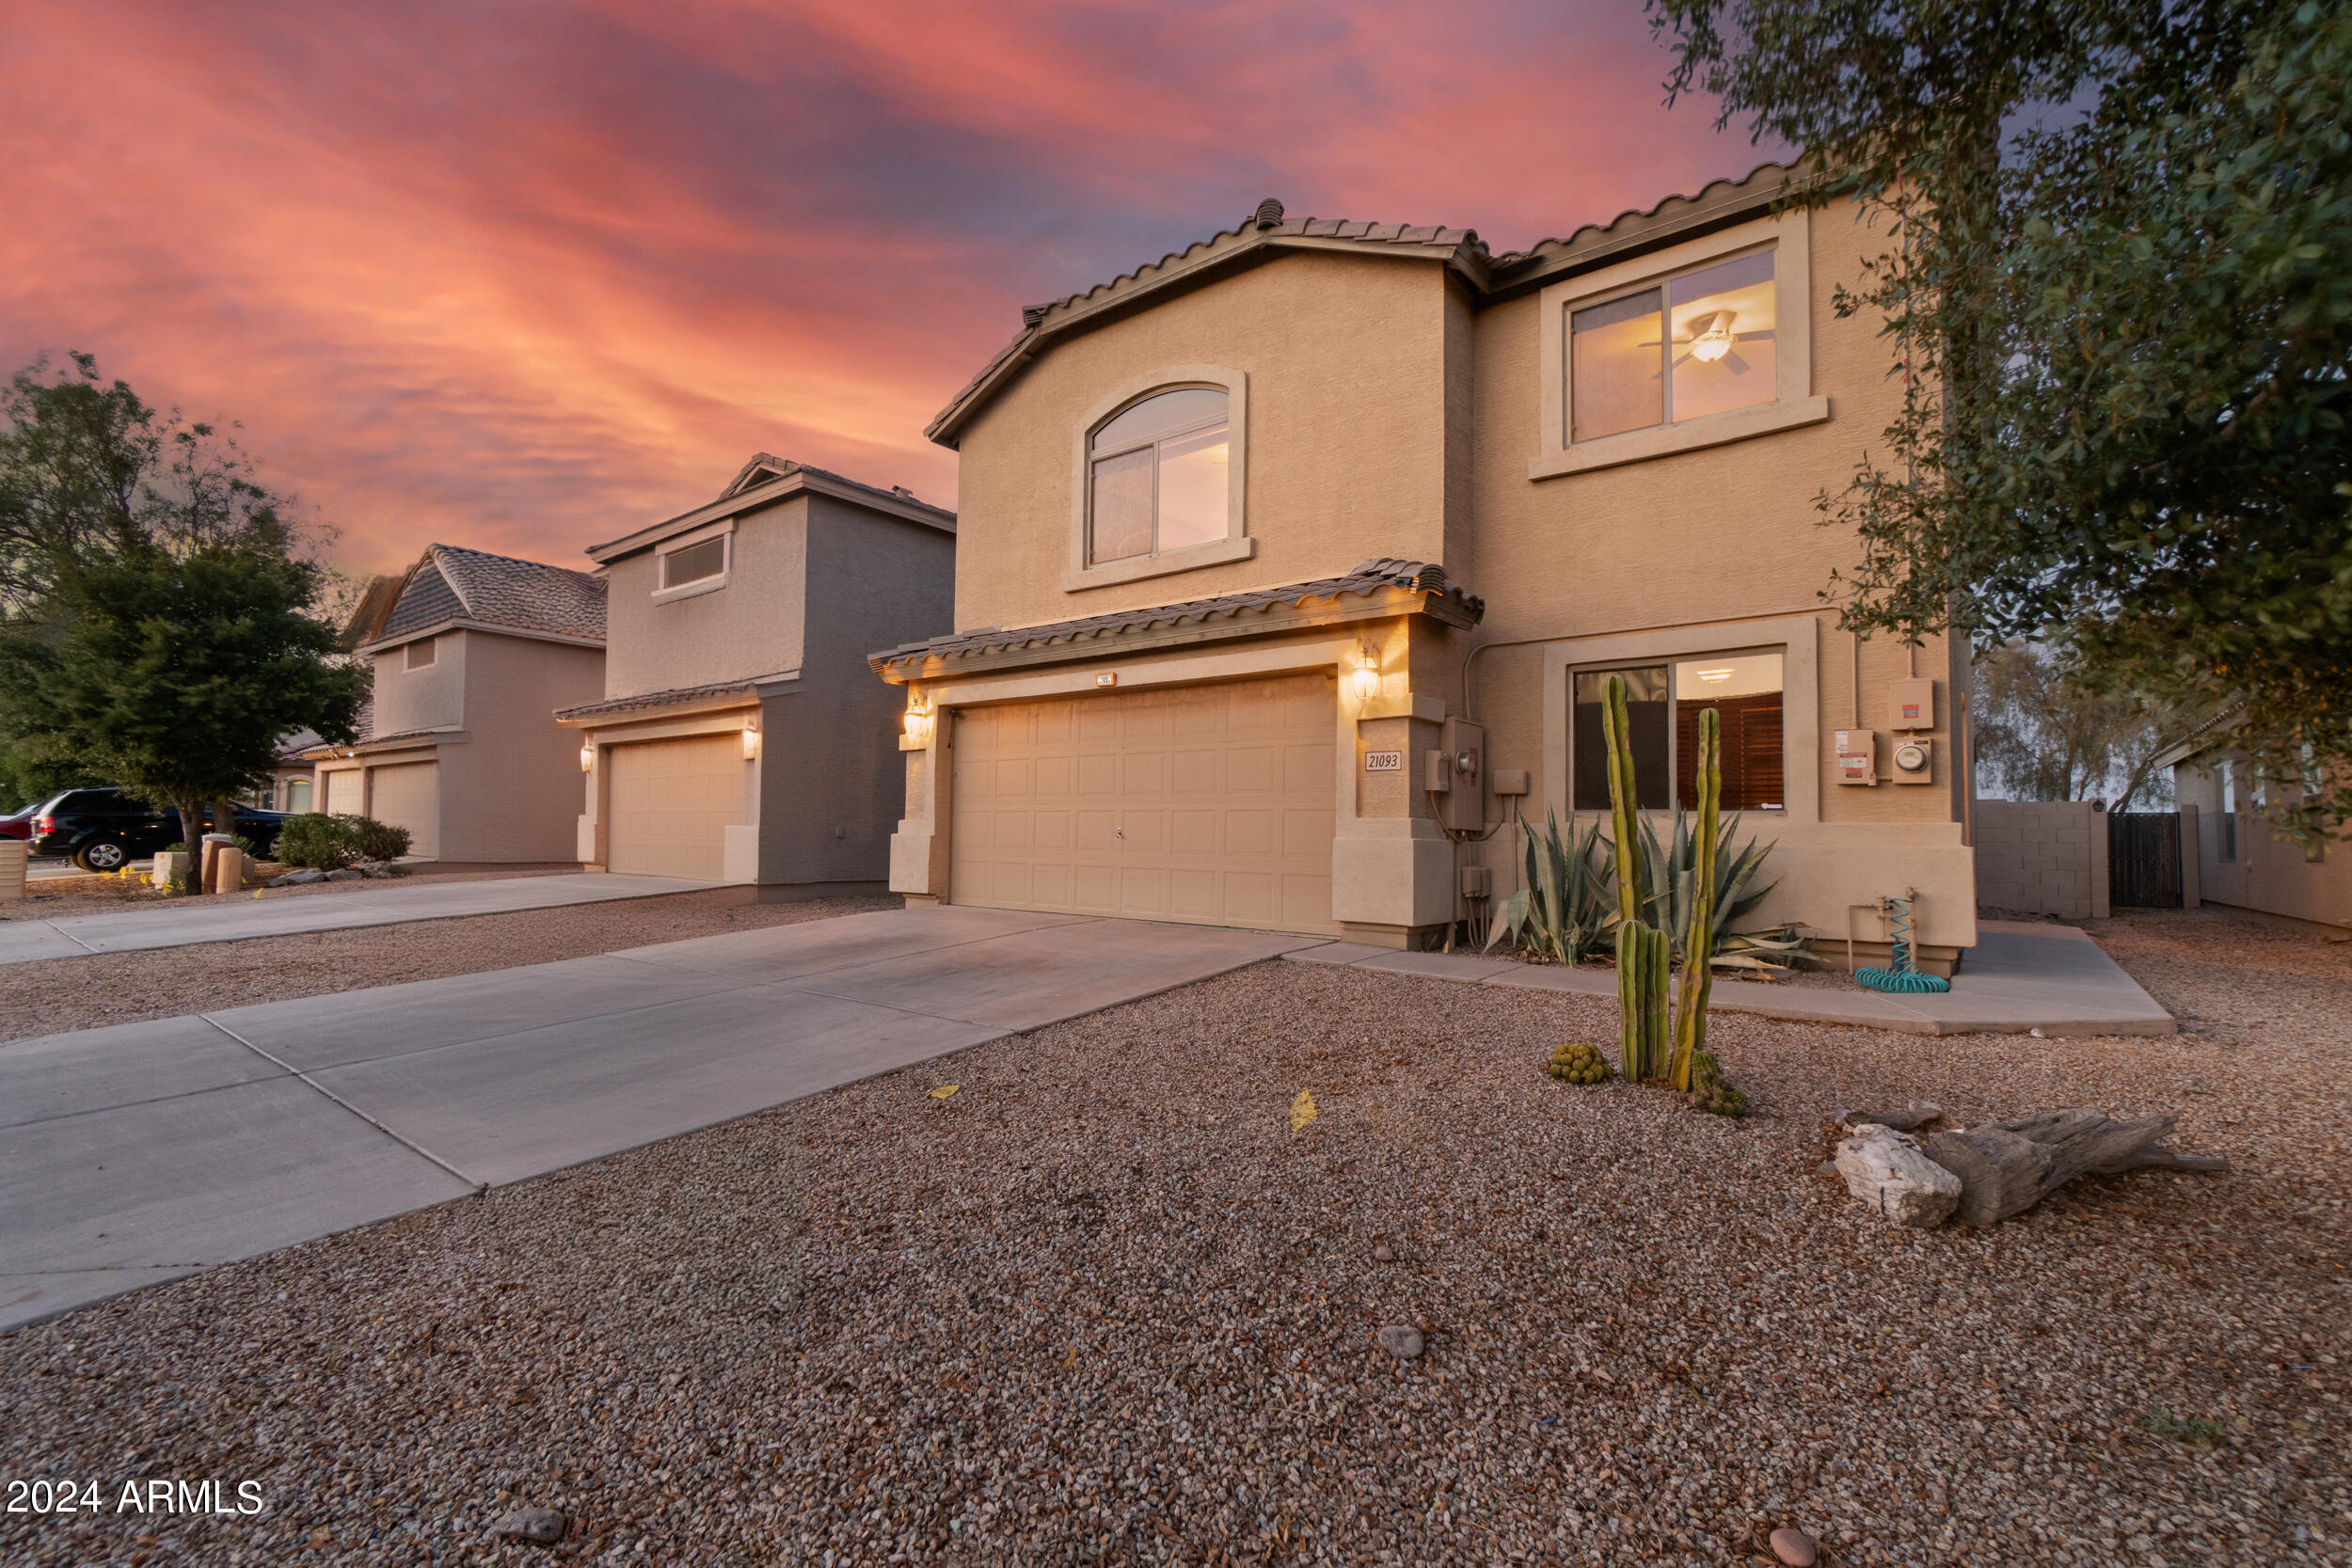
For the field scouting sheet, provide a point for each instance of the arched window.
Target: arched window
(1157, 475)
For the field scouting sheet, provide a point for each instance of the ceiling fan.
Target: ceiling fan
(1715, 341)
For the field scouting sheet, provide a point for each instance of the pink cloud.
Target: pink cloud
(523, 278)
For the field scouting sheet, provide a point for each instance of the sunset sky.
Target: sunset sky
(525, 277)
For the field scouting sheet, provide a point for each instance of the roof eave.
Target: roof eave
(1099, 307)
(761, 495)
(463, 622)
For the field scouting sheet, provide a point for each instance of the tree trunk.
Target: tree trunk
(2007, 1167)
(225, 818)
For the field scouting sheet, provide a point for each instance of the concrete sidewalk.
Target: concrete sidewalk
(141, 1153)
(172, 924)
(2021, 976)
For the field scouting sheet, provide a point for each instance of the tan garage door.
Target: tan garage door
(1204, 803)
(671, 801)
(409, 797)
(346, 792)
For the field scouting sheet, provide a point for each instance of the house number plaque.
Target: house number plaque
(1384, 762)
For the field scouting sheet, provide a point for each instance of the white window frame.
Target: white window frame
(722, 529)
(1793, 403)
(408, 659)
(1236, 545)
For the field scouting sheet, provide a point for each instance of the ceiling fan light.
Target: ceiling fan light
(1712, 676)
(1713, 344)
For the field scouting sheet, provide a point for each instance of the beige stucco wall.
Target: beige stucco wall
(1388, 415)
(751, 627)
(510, 791)
(426, 699)
(2044, 857)
(2270, 875)
(1345, 359)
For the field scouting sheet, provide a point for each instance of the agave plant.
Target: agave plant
(1670, 893)
(1562, 911)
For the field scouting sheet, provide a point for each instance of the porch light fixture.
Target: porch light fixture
(1366, 678)
(750, 743)
(1714, 677)
(917, 719)
(588, 758)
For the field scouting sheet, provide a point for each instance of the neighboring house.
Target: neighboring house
(472, 652)
(741, 738)
(293, 782)
(2239, 861)
(1255, 537)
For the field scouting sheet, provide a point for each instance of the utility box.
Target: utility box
(1509, 781)
(1911, 703)
(1477, 882)
(1462, 808)
(1857, 756)
(1914, 760)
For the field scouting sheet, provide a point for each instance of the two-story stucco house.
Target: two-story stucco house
(740, 737)
(472, 652)
(1293, 563)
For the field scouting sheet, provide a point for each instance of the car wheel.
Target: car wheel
(103, 854)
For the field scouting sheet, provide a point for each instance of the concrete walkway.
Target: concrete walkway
(173, 924)
(138, 1154)
(2021, 976)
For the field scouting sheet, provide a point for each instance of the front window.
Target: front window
(697, 563)
(1686, 347)
(1662, 707)
(297, 796)
(1157, 476)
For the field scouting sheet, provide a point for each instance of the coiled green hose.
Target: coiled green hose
(1905, 975)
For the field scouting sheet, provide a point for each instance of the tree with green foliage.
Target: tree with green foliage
(154, 606)
(2119, 285)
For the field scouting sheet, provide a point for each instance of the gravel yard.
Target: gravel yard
(56, 994)
(1103, 1305)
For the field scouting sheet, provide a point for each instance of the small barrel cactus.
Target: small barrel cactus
(1711, 1091)
(1578, 1063)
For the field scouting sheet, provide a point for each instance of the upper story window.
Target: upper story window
(422, 653)
(1702, 343)
(1158, 475)
(697, 563)
(1688, 346)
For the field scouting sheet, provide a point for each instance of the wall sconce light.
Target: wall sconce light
(588, 757)
(750, 743)
(1366, 678)
(918, 719)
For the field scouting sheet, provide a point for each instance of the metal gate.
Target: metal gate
(2144, 860)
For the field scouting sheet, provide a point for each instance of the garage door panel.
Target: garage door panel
(346, 793)
(409, 796)
(1224, 793)
(672, 802)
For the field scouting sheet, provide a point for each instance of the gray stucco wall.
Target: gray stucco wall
(2047, 857)
(510, 791)
(832, 783)
(751, 627)
(431, 698)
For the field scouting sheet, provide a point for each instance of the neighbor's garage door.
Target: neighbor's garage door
(1205, 803)
(346, 792)
(671, 801)
(409, 797)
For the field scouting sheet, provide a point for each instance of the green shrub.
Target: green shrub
(371, 840)
(316, 840)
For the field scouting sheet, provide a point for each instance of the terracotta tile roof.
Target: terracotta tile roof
(454, 583)
(1370, 576)
(676, 697)
(1268, 231)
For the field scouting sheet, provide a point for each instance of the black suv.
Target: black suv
(104, 830)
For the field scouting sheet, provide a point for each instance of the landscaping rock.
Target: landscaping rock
(1795, 1548)
(1887, 1171)
(1383, 1254)
(1908, 1119)
(545, 1526)
(1401, 1341)
(345, 875)
(297, 879)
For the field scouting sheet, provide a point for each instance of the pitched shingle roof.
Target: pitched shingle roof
(1365, 578)
(452, 583)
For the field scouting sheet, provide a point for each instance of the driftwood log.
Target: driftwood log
(2006, 1167)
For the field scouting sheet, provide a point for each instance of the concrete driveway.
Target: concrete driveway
(144, 1151)
(170, 924)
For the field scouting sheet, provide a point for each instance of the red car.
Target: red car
(19, 824)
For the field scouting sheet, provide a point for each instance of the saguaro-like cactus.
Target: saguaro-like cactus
(1644, 952)
(1699, 959)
